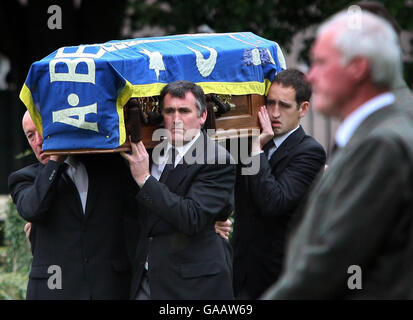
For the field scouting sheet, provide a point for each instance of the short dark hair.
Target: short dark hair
(296, 79)
(178, 89)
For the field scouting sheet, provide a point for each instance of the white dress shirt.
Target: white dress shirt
(77, 172)
(157, 168)
(353, 121)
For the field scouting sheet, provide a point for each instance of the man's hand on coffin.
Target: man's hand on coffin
(266, 134)
(138, 162)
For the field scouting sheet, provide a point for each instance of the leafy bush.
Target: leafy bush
(13, 286)
(15, 268)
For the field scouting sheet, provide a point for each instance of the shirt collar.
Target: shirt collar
(279, 140)
(353, 121)
(183, 149)
(71, 161)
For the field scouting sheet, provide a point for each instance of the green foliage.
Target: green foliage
(16, 265)
(277, 20)
(18, 255)
(13, 286)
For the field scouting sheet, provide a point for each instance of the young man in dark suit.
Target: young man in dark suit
(265, 202)
(181, 193)
(78, 208)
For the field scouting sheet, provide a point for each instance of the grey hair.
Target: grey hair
(372, 38)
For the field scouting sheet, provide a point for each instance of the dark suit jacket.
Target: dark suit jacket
(264, 205)
(89, 248)
(187, 259)
(359, 214)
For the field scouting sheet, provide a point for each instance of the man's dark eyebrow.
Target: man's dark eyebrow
(285, 103)
(177, 108)
(279, 102)
(168, 108)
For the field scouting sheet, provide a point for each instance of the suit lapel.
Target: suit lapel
(282, 151)
(176, 176)
(366, 126)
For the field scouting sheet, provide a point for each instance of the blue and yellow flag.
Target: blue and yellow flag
(76, 94)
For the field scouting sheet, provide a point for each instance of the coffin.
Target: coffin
(90, 98)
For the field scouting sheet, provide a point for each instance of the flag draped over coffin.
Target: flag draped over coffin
(76, 94)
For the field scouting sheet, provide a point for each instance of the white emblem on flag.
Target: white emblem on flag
(155, 61)
(205, 66)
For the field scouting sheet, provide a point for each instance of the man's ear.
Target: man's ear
(359, 68)
(303, 109)
(203, 117)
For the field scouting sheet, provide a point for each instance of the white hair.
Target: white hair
(370, 37)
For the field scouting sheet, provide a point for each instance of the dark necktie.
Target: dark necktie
(65, 175)
(169, 165)
(269, 145)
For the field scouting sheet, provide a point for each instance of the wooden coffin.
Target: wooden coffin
(91, 98)
(229, 125)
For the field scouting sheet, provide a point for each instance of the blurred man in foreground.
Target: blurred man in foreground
(356, 237)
